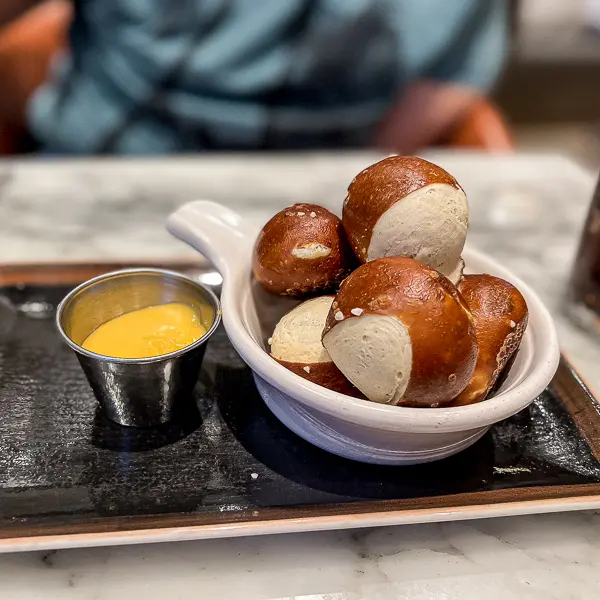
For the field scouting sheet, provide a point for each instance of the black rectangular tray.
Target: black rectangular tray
(70, 477)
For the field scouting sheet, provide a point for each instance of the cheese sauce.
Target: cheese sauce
(147, 332)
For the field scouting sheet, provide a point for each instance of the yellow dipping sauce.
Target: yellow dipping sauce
(147, 332)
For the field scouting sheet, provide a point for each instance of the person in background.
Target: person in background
(157, 77)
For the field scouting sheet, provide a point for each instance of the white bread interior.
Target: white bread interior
(297, 336)
(430, 225)
(375, 353)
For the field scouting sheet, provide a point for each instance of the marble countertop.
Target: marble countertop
(526, 211)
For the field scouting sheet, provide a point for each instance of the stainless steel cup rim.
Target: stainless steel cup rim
(138, 271)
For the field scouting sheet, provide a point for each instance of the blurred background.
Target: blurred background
(138, 77)
(550, 91)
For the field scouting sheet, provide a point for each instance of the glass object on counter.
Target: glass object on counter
(583, 294)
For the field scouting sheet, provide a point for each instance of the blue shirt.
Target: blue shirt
(165, 76)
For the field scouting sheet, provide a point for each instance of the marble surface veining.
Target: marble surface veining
(544, 557)
(526, 211)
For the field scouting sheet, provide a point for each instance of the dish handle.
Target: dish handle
(217, 232)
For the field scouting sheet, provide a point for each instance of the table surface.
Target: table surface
(526, 211)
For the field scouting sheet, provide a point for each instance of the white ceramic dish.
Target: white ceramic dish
(353, 428)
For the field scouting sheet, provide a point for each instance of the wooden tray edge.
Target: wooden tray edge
(64, 273)
(297, 525)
